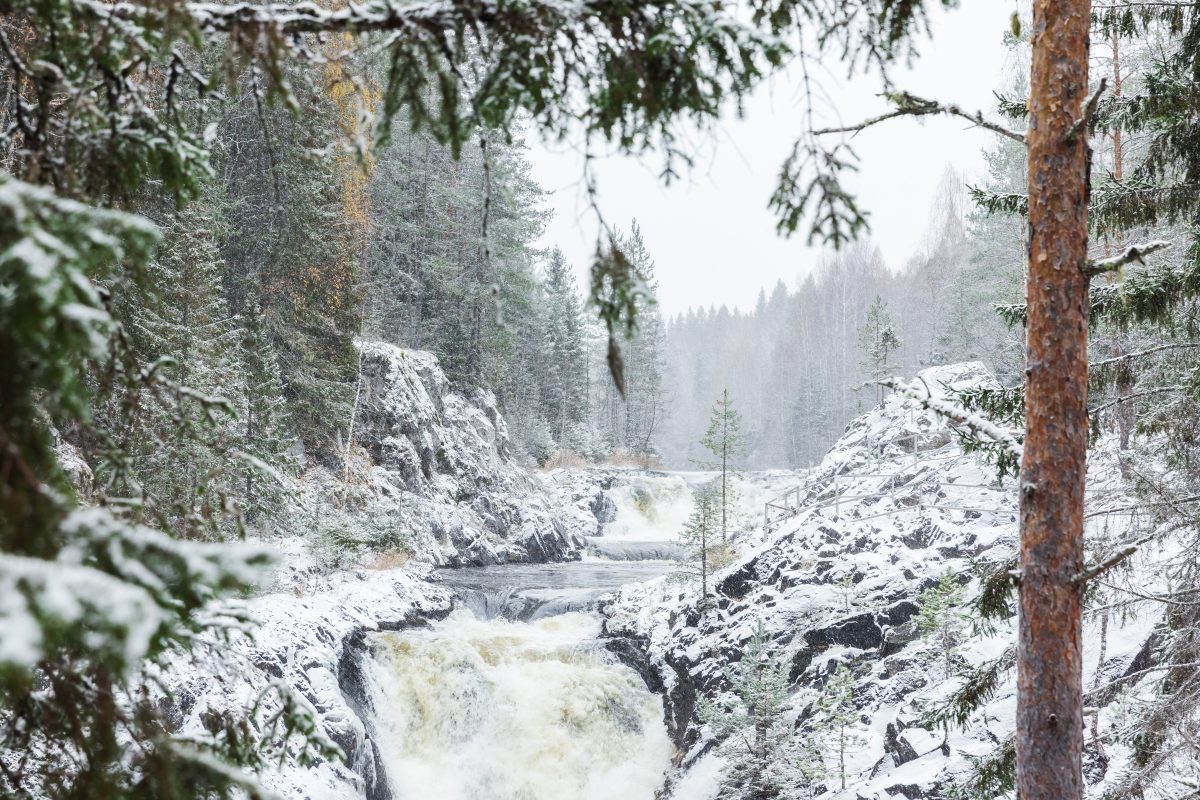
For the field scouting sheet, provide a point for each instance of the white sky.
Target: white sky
(711, 235)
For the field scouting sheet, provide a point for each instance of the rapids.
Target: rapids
(513, 696)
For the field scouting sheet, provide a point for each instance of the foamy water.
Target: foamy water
(650, 507)
(473, 709)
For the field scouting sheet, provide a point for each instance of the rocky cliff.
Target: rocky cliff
(894, 505)
(440, 463)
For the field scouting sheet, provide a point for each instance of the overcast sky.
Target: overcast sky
(711, 235)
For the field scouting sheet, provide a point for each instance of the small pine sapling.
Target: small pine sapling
(878, 340)
(941, 618)
(846, 585)
(835, 731)
(752, 721)
(810, 768)
(703, 553)
(727, 443)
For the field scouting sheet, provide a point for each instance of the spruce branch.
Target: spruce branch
(1135, 253)
(1134, 396)
(974, 423)
(909, 105)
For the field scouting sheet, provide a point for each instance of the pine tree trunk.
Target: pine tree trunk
(842, 754)
(1049, 734)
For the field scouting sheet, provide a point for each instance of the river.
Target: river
(513, 697)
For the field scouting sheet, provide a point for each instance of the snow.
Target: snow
(441, 463)
(111, 576)
(893, 505)
(299, 644)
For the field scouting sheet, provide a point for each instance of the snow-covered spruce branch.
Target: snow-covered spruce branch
(975, 423)
(1135, 253)
(1135, 396)
(299, 18)
(435, 19)
(1149, 351)
(909, 105)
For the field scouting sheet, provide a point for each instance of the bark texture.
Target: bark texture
(1049, 739)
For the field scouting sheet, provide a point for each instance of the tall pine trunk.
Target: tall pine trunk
(1049, 736)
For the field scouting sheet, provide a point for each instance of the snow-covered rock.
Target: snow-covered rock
(311, 644)
(441, 462)
(894, 505)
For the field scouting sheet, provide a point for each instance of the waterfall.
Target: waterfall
(492, 709)
(650, 506)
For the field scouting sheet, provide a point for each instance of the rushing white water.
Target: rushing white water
(473, 709)
(650, 506)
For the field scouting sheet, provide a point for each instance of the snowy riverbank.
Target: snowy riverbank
(893, 506)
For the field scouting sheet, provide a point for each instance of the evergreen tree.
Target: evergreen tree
(294, 248)
(752, 721)
(264, 437)
(564, 380)
(633, 417)
(878, 340)
(726, 442)
(810, 768)
(838, 719)
(699, 539)
(185, 434)
(941, 617)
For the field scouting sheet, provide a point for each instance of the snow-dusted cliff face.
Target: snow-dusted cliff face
(309, 641)
(442, 463)
(892, 507)
(433, 461)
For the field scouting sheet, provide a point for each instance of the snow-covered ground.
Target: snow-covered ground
(308, 642)
(892, 507)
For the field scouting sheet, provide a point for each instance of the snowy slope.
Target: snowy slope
(894, 505)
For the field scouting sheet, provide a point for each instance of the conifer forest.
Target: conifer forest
(352, 447)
